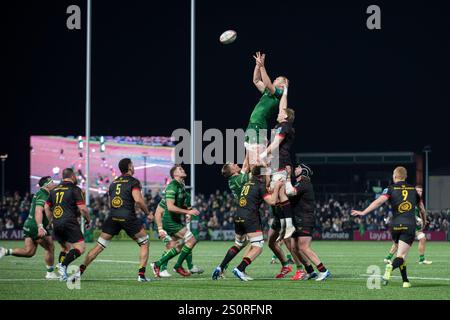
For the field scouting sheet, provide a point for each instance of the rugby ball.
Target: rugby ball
(228, 37)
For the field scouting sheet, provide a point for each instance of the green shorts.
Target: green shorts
(171, 226)
(30, 230)
(255, 134)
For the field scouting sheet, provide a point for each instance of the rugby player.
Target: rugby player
(35, 230)
(63, 208)
(175, 197)
(256, 133)
(124, 194)
(281, 163)
(302, 200)
(174, 242)
(247, 223)
(403, 198)
(420, 236)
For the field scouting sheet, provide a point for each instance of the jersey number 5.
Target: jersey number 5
(118, 189)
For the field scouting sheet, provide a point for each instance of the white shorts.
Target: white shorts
(280, 175)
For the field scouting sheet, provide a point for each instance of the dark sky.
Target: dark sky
(353, 89)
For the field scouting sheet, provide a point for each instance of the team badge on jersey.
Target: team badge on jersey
(242, 202)
(58, 212)
(404, 207)
(117, 202)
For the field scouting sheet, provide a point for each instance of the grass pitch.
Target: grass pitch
(113, 275)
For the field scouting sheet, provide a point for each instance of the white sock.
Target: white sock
(9, 252)
(289, 222)
(283, 224)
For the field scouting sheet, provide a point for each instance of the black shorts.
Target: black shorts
(276, 224)
(405, 233)
(247, 223)
(67, 232)
(303, 232)
(304, 225)
(113, 225)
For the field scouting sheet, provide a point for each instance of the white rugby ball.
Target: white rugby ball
(228, 37)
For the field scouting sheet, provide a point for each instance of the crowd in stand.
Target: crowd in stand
(217, 211)
(147, 141)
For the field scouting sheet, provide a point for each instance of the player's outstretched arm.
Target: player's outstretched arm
(265, 78)
(273, 146)
(174, 209)
(257, 80)
(283, 101)
(374, 205)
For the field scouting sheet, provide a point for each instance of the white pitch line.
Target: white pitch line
(415, 278)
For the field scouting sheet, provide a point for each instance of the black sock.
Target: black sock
(309, 269)
(397, 263)
(71, 256)
(244, 264)
(321, 267)
(231, 253)
(141, 272)
(62, 255)
(286, 210)
(403, 272)
(82, 268)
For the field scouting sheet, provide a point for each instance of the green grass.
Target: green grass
(113, 276)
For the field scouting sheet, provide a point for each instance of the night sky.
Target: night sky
(353, 89)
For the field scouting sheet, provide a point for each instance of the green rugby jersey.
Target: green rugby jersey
(235, 183)
(266, 108)
(39, 199)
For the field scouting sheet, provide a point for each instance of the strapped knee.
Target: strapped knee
(257, 241)
(142, 240)
(420, 236)
(102, 242)
(240, 241)
(188, 235)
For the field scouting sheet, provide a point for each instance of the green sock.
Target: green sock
(185, 251)
(50, 269)
(422, 258)
(289, 257)
(299, 267)
(189, 261)
(389, 256)
(286, 263)
(164, 265)
(274, 257)
(166, 257)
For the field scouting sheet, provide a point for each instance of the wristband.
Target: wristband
(285, 91)
(40, 225)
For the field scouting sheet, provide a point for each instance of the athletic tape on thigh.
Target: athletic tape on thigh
(143, 240)
(104, 243)
(257, 241)
(420, 235)
(187, 236)
(240, 241)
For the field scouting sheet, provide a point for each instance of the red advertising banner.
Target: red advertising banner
(386, 236)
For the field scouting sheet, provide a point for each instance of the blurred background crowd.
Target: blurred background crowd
(217, 211)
